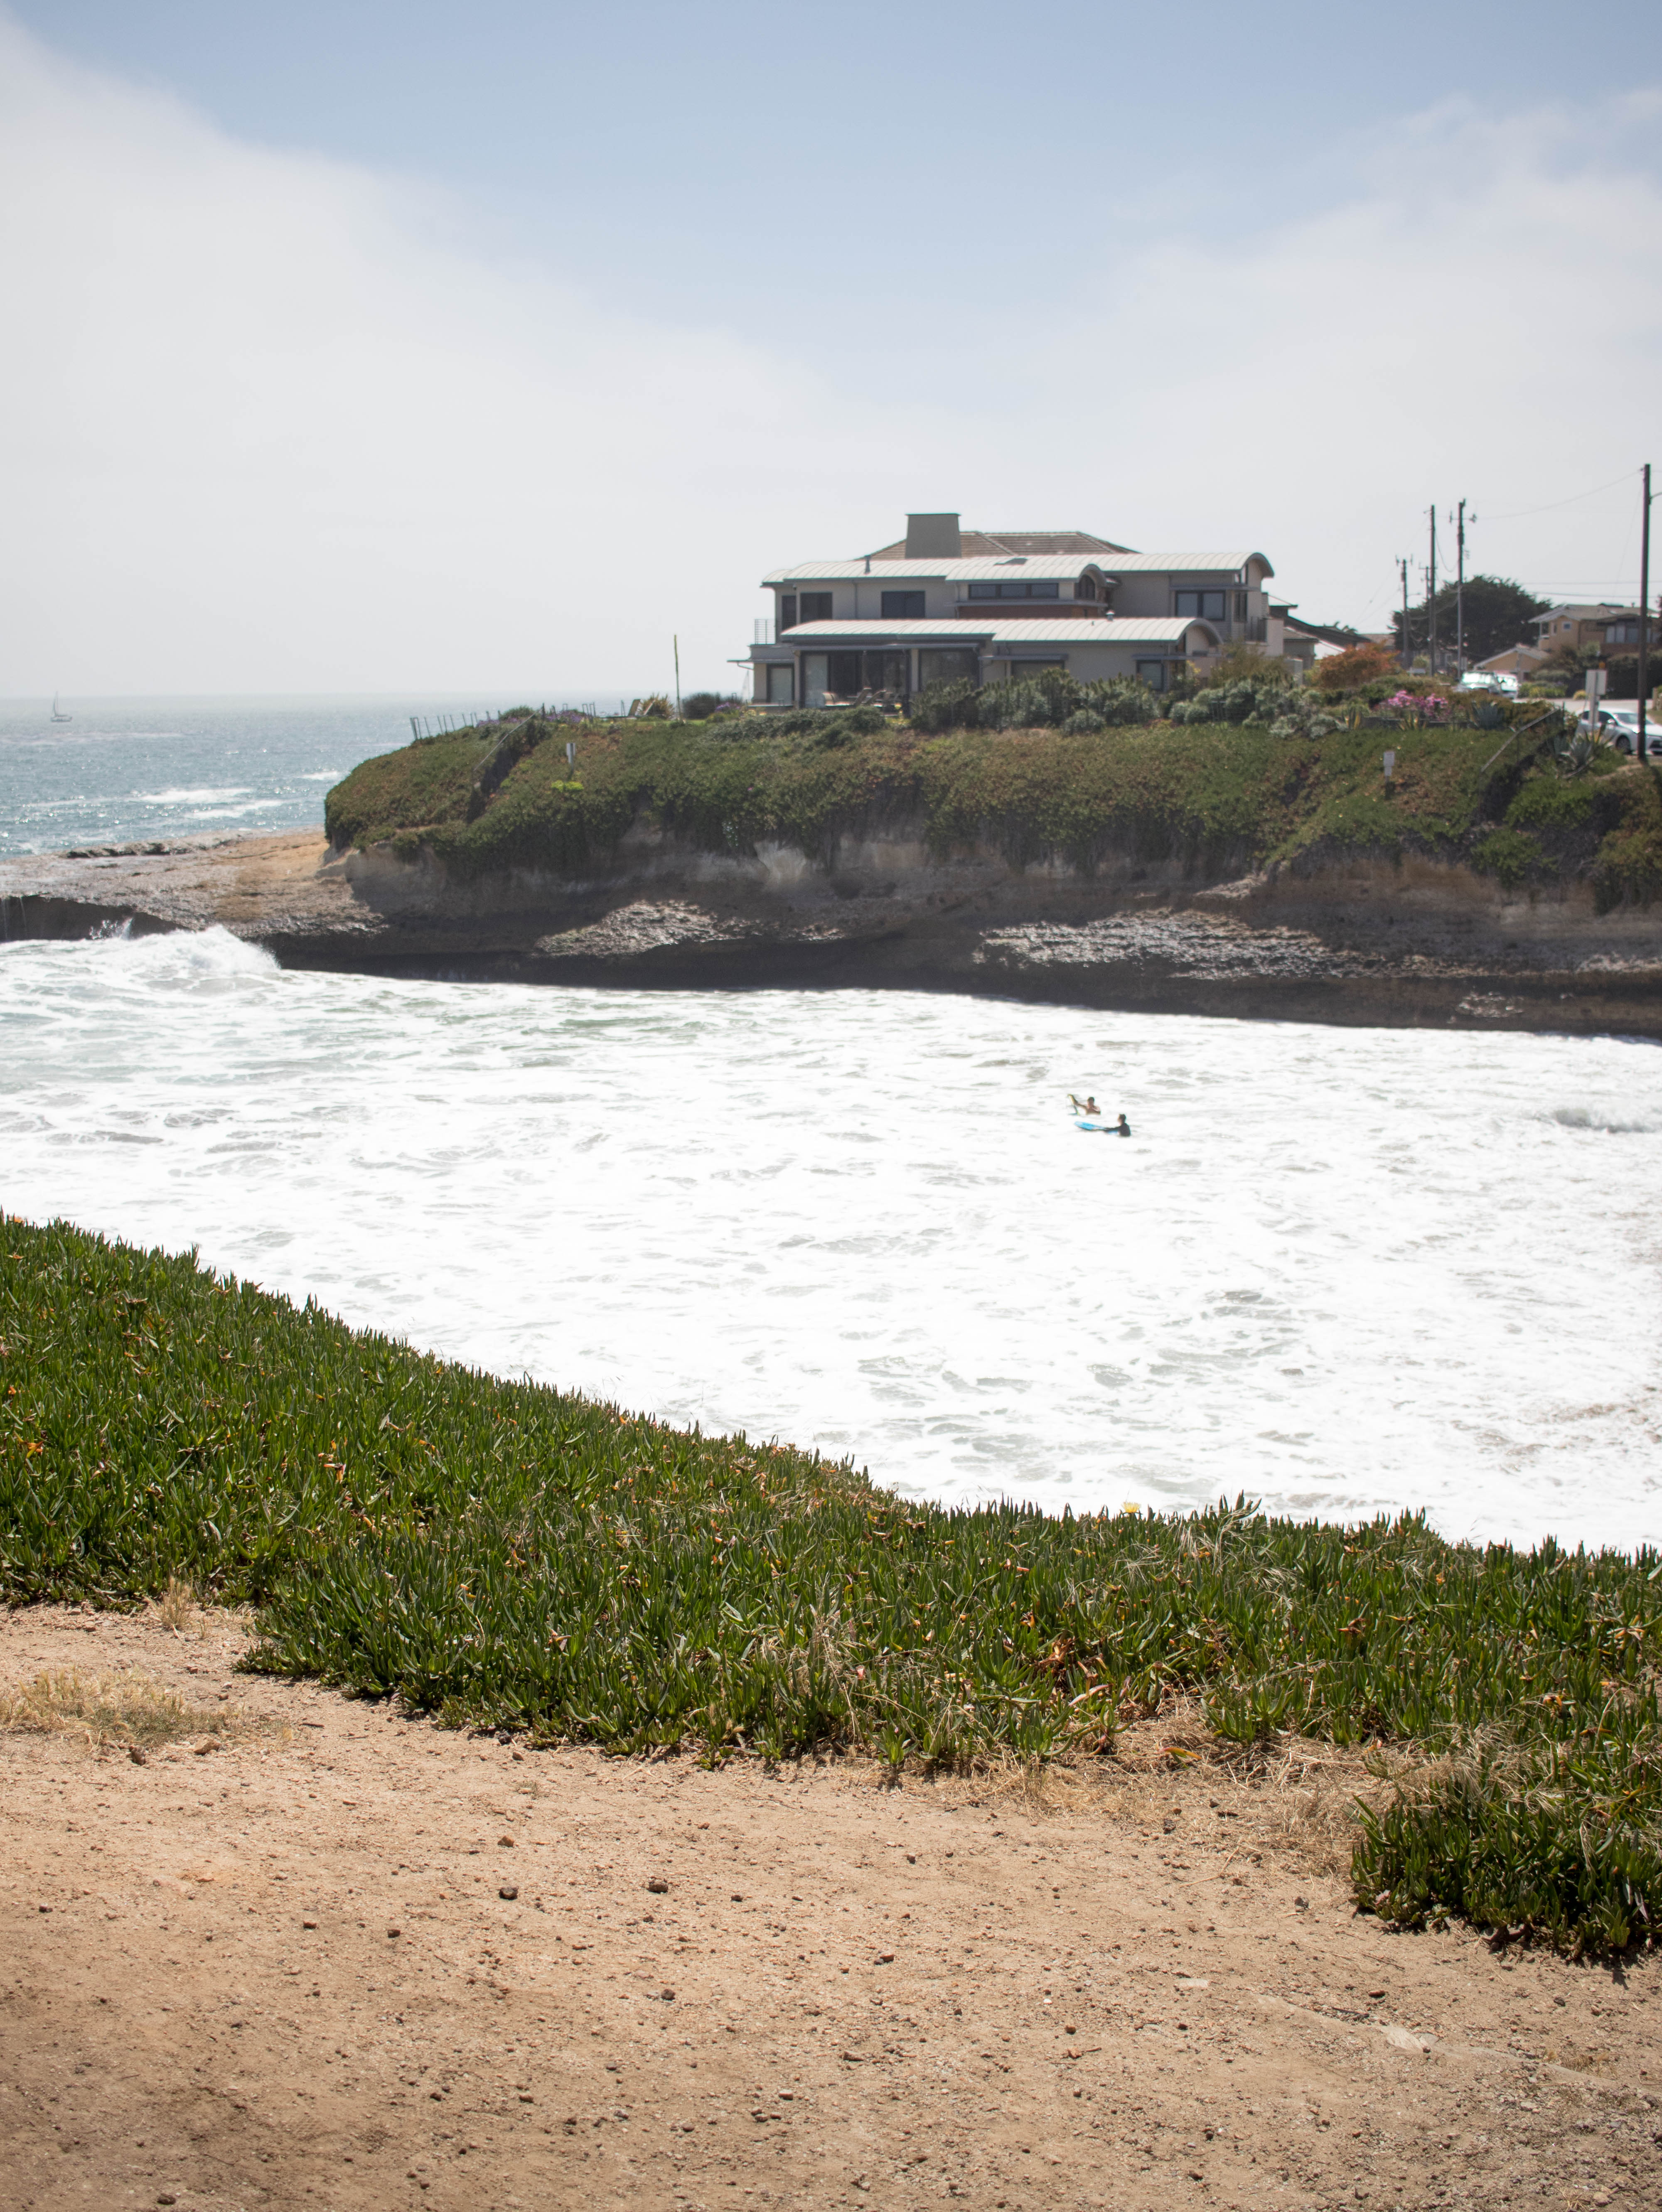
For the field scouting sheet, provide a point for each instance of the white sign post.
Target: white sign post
(1390, 765)
(1597, 680)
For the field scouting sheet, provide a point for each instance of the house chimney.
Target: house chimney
(933, 538)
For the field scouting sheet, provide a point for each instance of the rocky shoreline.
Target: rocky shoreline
(1413, 943)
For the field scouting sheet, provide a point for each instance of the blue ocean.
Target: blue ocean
(122, 771)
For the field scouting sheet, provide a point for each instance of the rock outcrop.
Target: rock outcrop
(1343, 940)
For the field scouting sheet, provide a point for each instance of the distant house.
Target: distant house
(1596, 624)
(945, 603)
(1520, 661)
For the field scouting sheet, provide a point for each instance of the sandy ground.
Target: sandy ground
(346, 1959)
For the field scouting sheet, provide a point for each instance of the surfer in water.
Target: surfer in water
(1083, 1105)
(1124, 1129)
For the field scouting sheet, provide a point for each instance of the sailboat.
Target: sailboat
(56, 716)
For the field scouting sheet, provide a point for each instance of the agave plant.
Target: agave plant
(1574, 751)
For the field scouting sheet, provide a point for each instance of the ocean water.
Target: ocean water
(1345, 1270)
(122, 771)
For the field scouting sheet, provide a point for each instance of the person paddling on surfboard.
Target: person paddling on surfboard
(1124, 1129)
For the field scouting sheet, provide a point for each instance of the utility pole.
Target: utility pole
(1460, 599)
(1644, 610)
(1431, 597)
(1407, 655)
(676, 642)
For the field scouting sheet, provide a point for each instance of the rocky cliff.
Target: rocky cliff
(1411, 939)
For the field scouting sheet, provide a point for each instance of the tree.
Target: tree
(1356, 665)
(1497, 615)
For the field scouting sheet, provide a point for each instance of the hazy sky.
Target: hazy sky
(365, 346)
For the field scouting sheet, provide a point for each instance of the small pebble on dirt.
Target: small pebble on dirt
(509, 1890)
(657, 1886)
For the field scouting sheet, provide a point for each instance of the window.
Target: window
(844, 674)
(1085, 589)
(948, 664)
(1240, 606)
(813, 678)
(1152, 673)
(782, 682)
(902, 606)
(887, 670)
(816, 606)
(1207, 605)
(1020, 669)
(788, 611)
(1621, 633)
(1016, 591)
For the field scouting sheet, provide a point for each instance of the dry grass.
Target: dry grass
(1293, 1796)
(130, 1710)
(177, 1606)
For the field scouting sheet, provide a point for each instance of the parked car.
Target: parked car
(1483, 680)
(1620, 725)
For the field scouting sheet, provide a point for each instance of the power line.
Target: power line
(1552, 505)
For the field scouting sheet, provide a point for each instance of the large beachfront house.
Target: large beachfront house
(945, 603)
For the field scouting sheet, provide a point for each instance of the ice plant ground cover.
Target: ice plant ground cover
(507, 1554)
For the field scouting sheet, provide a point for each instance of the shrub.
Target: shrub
(1357, 666)
(1509, 856)
(1083, 723)
(941, 707)
(1544, 803)
(1051, 701)
(1289, 713)
(699, 706)
(1562, 1843)
(1245, 664)
(654, 708)
(836, 723)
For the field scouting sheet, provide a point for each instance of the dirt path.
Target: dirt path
(310, 1968)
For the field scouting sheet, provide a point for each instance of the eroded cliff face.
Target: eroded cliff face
(1340, 939)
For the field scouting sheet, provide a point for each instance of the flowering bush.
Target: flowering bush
(1411, 702)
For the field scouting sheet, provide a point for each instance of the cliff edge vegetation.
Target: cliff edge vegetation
(510, 1556)
(1217, 797)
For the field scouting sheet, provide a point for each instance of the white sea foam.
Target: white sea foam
(1343, 1270)
(195, 798)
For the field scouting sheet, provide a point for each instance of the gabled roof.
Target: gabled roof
(1587, 610)
(974, 543)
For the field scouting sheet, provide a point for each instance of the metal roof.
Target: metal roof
(908, 630)
(1007, 568)
(1129, 630)
(1185, 564)
(972, 542)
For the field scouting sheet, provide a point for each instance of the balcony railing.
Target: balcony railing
(763, 630)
